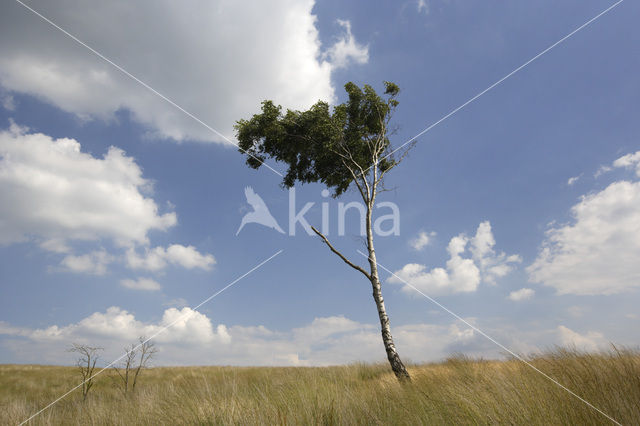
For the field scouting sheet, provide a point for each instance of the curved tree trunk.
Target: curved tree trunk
(392, 355)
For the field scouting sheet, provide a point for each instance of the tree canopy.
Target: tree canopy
(320, 145)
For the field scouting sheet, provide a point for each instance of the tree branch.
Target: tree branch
(363, 187)
(347, 261)
(403, 153)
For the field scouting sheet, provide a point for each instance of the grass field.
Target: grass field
(457, 391)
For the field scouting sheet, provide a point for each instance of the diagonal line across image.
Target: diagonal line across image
(448, 115)
(497, 83)
(512, 353)
(181, 318)
(145, 85)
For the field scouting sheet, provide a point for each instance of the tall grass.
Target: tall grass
(457, 391)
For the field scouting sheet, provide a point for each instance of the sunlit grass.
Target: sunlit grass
(457, 391)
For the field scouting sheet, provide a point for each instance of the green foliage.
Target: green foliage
(313, 143)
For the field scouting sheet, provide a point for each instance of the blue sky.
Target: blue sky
(81, 223)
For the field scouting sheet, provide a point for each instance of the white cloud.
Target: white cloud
(146, 284)
(191, 326)
(8, 102)
(216, 59)
(492, 265)
(91, 263)
(195, 340)
(598, 253)
(422, 7)
(117, 324)
(347, 49)
(522, 294)
(602, 170)
(573, 180)
(422, 240)
(323, 328)
(151, 260)
(55, 193)
(55, 246)
(188, 257)
(461, 274)
(158, 258)
(629, 161)
(592, 341)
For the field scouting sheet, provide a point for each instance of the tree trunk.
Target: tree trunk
(392, 355)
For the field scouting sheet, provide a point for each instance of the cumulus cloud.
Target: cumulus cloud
(522, 294)
(55, 193)
(194, 340)
(598, 252)
(91, 263)
(177, 326)
(323, 328)
(158, 258)
(422, 240)
(591, 341)
(629, 161)
(217, 63)
(462, 274)
(146, 284)
(346, 49)
(493, 265)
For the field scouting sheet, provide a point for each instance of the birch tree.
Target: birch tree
(347, 147)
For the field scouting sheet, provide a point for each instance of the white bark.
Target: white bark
(367, 181)
(385, 327)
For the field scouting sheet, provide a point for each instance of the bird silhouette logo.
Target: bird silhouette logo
(260, 213)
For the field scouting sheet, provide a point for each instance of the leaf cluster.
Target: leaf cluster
(315, 143)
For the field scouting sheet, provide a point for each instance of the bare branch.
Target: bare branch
(147, 351)
(363, 191)
(86, 362)
(347, 261)
(125, 370)
(361, 182)
(385, 189)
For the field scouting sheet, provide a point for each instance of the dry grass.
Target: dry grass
(457, 391)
